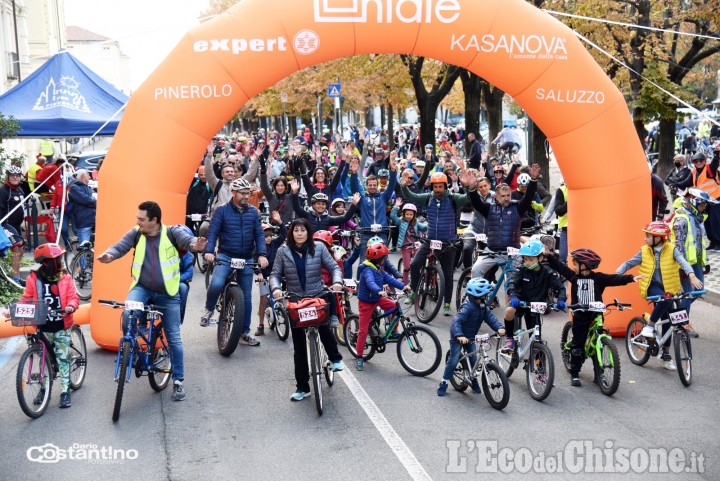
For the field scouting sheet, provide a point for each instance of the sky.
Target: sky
(147, 30)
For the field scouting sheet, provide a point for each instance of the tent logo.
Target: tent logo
(64, 94)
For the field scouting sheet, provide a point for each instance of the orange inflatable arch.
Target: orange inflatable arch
(218, 66)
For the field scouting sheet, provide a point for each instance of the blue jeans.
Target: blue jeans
(348, 265)
(244, 279)
(563, 246)
(687, 287)
(83, 234)
(184, 291)
(171, 323)
(455, 348)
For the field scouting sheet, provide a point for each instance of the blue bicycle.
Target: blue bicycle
(504, 262)
(141, 348)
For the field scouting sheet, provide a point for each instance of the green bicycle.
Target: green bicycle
(599, 346)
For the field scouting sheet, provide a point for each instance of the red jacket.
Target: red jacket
(68, 294)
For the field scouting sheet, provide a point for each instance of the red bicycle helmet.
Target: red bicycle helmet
(377, 251)
(325, 237)
(48, 251)
(588, 257)
(438, 178)
(658, 229)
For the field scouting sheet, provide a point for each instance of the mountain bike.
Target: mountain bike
(537, 359)
(494, 382)
(640, 348)
(81, 270)
(197, 220)
(38, 365)
(504, 261)
(418, 348)
(141, 349)
(599, 346)
(431, 288)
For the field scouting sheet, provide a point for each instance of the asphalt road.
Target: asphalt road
(238, 422)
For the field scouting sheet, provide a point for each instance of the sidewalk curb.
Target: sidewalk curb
(712, 296)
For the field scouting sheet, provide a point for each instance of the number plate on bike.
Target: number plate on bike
(307, 314)
(237, 263)
(25, 311)
(678, 318)
(375, 228)
(196, 217)
(482, 338)
(134, 306)
(350, 283)
(512, 251)
(436, 245)
(481, 237)
(538, 307)
(596, 307)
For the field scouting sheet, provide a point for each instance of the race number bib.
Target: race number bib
(196, 217)
(350, 283)
(538, 307)
(679, 317)
(436, 245)
(375, 228)
(25, 311)
(596, 307)
(482, 338)
(513, 251)
(307, 314)
(134, 306)
(237, 263)
(481, 237)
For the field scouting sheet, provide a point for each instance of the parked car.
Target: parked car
(86, 160)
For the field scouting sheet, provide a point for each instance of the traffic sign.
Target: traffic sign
(334, 90)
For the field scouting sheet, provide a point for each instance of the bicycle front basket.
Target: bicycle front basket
(30, 312)
(307, 312)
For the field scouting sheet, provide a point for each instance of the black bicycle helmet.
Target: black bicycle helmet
(588, 257)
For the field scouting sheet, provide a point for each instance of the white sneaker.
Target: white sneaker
(670, 365)
(206, 317)
(648, 331)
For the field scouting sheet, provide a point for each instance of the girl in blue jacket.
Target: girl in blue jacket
(465, 325)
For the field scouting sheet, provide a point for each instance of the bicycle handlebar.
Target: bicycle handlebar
(121, 305)
(677, 297)
(621, 306)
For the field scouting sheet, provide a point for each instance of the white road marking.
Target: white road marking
(10, 346)
(391, 437)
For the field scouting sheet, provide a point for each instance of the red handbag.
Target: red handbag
(307, 312)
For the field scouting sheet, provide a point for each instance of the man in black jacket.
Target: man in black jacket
(198, 197)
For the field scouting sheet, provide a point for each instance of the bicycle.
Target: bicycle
(344, 310)
(413, 340)
(504, 261)
(640, 348)
(431, 288)
(38, 365)
(539, 364)
(81, 270)
(231, 306)
(142, 349)
(599, 346)
(494, 381)
(197, 220)
(276, 317)
(310, 319)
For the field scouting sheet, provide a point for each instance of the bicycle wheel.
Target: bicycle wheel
(282, 323)
(565, 340)
(125, 351)
(507, 362)
(160, 367)
(78, 358)
(495, 386)
(339, 331)
(33, 382)
(460, 288)
(82, 270)
(683, 355)
(419, 350)
(350, 333)
(400, 264)
(457, 379)
(327, 367)
(637, 353)
(70, 251)
(200, 262)
(315, 370)
(540, 371)
(430, 293)
(230, 323)
(607, 373)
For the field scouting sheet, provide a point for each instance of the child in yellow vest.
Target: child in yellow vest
(660, 263)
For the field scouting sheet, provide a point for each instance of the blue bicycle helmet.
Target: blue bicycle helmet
(479, 287)
(375, 240)
(533, 247)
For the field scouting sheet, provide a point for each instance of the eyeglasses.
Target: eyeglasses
(696, 161)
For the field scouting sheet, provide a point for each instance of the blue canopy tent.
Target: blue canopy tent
(64, 98)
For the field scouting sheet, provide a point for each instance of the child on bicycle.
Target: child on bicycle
(409, 229)
(326, 238)
(371, 292)
(660, 262)
(51, 284)
(586, 286)
(273, 243)
(465, 326)
(530, 283)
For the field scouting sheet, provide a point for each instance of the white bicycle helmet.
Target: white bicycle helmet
(239, 184)
(523, 180)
